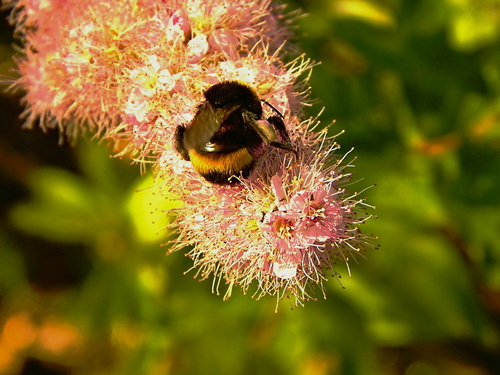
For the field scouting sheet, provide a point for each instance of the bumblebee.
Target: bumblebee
(222, 139)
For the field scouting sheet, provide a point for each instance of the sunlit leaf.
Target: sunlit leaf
(148, 210)
(366, 11)
(475, 23)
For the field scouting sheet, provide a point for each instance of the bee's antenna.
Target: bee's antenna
(274, 109)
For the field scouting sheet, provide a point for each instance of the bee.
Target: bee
(222, 139)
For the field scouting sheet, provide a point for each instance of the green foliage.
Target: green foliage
(416, 86)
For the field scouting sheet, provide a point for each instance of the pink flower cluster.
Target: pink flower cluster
(134, 70)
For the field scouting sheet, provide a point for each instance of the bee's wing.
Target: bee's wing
(205, 124)
(265, 130)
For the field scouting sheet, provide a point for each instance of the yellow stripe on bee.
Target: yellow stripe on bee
(230, 164)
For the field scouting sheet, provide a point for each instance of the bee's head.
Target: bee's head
(229, 94)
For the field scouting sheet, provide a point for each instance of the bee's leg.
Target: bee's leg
(279, 125)
(179, 142)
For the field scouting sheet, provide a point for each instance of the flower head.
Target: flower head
(281, 230)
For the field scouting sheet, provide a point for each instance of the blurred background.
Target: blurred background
(85, 287)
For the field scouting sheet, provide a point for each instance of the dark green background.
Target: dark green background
(415, 84)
